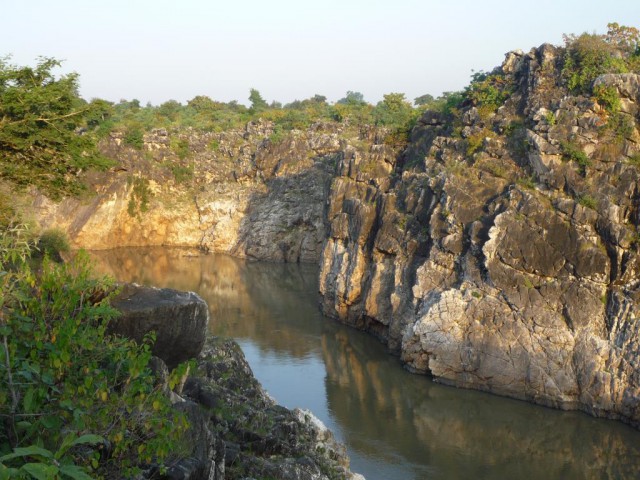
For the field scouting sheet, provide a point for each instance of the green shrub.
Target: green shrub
(214, 145)
(573, 152)
(140, 196)
(587, 57)
(488, 92)
(475, 141)
(528, 182)
(635, 160)
(550, 117)
(608, 97)
(53, 243)
(448, 103)
(588, 201)
(181, 173)
(620, 125)
(73, 400)
(278, 135)
(180, 147)
(134, 137)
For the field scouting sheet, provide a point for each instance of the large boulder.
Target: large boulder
(179, 320)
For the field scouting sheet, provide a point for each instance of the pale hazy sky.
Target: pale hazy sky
(159, 50)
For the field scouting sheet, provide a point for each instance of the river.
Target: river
(396, 425)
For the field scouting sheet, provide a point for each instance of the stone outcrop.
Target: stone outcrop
(504, 255)
(178, 320)
(235, 429)
(259, 438)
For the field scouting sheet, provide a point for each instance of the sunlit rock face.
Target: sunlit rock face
(241, 194)
(104, 221)
(509, 267)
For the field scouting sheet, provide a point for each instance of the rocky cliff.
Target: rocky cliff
(498, 251)
(503, 255)
(251, 193)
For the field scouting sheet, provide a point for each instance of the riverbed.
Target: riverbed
(395, 425)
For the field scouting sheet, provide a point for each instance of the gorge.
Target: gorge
(497, 251)
(493, 246)
(395, 425)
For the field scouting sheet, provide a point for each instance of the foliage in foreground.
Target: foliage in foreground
(74, 401)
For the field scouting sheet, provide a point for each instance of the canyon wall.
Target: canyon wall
(497, 251)
(239, 192)
(504, 254)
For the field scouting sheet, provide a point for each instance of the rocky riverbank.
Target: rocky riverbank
(237, 431)
(504, 256)
(253, 436)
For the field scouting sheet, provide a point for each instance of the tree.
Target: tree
(626, 38)
(170, 109)
(258, 103)
(423, 100)
(39, 117)
(393, 111)
(352, 98)
(99, 111)
(202, 103)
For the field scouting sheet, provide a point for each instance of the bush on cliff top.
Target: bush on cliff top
(589, 55)
(73, 400)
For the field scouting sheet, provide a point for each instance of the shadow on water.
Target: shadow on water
(396, 425)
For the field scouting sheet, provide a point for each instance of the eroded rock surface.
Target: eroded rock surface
(261, 439)
(510, 266)
(242, 192)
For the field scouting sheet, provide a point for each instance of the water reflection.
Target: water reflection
(396, 425)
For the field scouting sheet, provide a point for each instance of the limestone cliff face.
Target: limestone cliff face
(503, 253)
(237, 192)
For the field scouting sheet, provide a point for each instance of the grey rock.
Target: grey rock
(179, 320)
(481, 283)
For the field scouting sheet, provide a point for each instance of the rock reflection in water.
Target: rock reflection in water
(462, 433)
(247, 300)
(396, 425)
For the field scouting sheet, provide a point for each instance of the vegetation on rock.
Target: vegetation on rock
(589, 55)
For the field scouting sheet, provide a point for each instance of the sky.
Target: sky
(162, 50)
